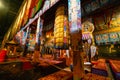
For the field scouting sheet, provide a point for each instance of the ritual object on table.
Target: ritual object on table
(11, 47)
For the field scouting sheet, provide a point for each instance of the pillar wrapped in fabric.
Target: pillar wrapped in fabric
(61, 29)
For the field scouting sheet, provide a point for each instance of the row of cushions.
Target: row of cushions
(115, 66)
(91, 76)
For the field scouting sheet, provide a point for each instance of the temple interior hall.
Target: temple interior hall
(59, 40)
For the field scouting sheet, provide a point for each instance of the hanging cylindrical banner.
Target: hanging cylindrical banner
(74, 15)
(61, 30)
(38, 30)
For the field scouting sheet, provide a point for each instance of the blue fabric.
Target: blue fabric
(71, 67)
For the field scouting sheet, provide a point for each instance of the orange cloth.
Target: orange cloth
(36, 56)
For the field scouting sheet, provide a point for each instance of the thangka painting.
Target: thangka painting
(46, 5)
(82, 12)
(38, 5)
(115, 18)
(99, 22)
(52, 2)
(31, 44)
(95, 5)
(118, 34)
(98, 39)
(105, 38)
(18, 37)
(88, 8)
(114, 37)
(24, 35)
(102, 2)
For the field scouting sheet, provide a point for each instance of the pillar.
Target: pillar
(26, 43)
(40, 36)
(74, 13)
(78, 64)
(36, 55)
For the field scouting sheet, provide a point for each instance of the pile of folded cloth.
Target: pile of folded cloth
(99, 67)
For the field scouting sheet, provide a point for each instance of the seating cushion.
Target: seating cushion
(3, 55)
(91, 76)
(115, 66)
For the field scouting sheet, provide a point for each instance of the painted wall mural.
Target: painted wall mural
(95, 5)
(114, 37)
(108, 38)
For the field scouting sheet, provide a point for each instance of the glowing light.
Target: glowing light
(47, 36)
(1, 5)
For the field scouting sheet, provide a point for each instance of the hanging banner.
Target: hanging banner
(18, 37)
(46, 6)
(38, 5)
(52, 2)
(24, 37)
(35, 7)
(74, 15)
(31, 44)
(38, 30)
